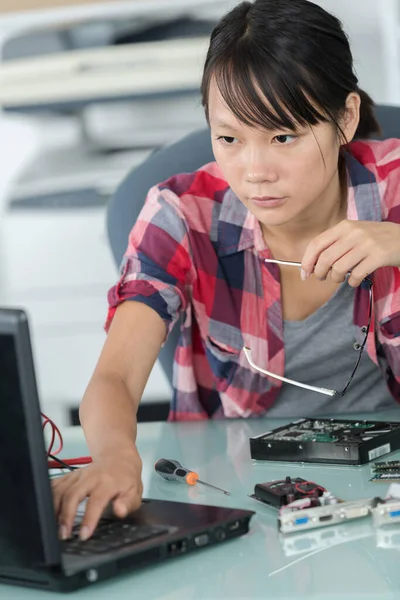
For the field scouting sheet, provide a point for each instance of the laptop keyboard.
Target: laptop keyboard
(110, 535)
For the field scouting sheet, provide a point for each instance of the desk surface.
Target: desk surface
(337, 563)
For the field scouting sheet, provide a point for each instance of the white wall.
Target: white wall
(374, 30)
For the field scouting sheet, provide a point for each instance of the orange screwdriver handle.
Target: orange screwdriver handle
(172, 470)
(191, 478)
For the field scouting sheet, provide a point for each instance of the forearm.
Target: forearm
(108, 415)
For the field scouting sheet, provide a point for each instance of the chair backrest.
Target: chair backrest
(184, 156)
(389, 120)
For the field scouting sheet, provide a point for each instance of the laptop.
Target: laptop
(30, 552)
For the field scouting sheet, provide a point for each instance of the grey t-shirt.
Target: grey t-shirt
(319, 351)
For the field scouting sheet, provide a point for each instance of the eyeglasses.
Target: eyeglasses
(360, 347)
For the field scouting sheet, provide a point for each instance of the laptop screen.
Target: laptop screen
(23, 493)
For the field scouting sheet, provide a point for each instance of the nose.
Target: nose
(262, 176)
(260, 169)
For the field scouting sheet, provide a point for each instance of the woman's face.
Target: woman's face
(278, 175)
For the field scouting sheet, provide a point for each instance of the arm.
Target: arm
(155, 271)
(108, 414)
(110, 403)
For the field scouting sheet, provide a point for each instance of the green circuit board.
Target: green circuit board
(324, 431)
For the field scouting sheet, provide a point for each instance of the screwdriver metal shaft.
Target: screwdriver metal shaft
(214, 486)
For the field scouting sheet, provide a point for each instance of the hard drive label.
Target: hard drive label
(380, 451)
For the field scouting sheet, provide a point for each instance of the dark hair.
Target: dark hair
(292, 53)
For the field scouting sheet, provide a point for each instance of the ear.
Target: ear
(351, 116)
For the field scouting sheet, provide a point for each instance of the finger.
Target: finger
(332, 255)
(360, 272)
(346, 264)
(70, 501)
(95, 507)
(59, 485)
(128, 502)
(319, 244)
(336, 277)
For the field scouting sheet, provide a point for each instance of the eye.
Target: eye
(227, 139)
(285, 139)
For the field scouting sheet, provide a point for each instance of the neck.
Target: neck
(322, 214)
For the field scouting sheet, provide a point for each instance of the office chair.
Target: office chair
(186, 155)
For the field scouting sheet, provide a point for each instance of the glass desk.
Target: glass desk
(349, 561)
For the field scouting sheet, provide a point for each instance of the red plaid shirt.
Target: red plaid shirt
(195, 249)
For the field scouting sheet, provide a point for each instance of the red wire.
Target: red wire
(82, 460)
(53, 464)
(49, 449)
(53, 434)
(54, 431)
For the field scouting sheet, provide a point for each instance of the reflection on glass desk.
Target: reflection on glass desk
(351, 561)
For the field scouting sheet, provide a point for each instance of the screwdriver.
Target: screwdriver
(172, 470)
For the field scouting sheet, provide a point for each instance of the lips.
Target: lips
(266, 198)
(267, 201)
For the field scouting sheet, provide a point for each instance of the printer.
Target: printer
(57, 265)
(128, 98)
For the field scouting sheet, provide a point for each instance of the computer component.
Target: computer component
(385, 477)
(282, 492)
(388, 466)
(386, 511)
(30, 552)
(291, 520)
(337, 441)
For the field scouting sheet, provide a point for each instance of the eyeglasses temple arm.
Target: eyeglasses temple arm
(312, 388)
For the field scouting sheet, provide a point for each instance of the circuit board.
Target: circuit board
(281, 492)
(385, 478)
(341, 441)
(323, 431)
(386, 472)
(292, 521)
(388, 466)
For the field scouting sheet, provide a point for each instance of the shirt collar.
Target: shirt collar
(238, 228)
(236, 225)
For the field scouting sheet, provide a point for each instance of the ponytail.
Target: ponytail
(368, 125)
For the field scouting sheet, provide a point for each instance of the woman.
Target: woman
(258, 337)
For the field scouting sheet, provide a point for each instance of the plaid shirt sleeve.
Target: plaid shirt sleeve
(157, 264)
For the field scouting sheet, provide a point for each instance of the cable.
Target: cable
(61, 463)
(56, 463)
(79, 461)
(54, 431)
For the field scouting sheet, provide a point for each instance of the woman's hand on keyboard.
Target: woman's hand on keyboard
(114, 477)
